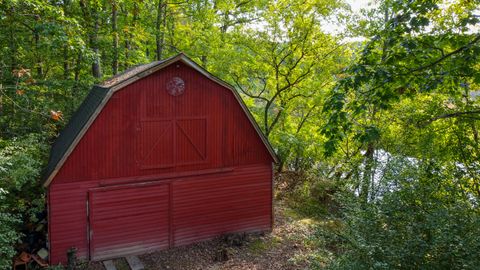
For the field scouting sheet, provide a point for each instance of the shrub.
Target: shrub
(8, 233)
(426, 218)
(310, 194)
(21, 194)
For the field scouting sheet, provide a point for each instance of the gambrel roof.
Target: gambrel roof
(99, 96)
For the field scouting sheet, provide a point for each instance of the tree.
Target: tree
(406, 107)
(286, 63)
(417, 49)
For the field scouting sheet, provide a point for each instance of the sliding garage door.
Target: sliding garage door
(128, 220)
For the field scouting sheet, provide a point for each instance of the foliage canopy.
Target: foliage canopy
(389, 124)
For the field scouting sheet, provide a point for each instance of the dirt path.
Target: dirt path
(285, 248)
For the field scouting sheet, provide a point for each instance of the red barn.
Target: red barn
(160, 156)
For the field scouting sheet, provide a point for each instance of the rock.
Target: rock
(235, 239)
(39, 227)
(109, 265)
(222, 255)
(43, 253)
(135, 263)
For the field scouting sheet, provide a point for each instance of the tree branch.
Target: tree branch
(248, 93)
(441, 59)
(452, 115)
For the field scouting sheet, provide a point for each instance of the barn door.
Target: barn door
(173, 142)
(156, 144)
(128, 220)
(190, 141)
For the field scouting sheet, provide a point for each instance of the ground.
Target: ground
(286, 247)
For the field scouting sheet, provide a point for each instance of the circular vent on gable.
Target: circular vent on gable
(175, 86)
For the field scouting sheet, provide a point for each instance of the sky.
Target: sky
(335, 27)
(356, 5)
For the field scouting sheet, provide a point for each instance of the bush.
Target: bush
(311, 195)
(21, 194)
(21, 163)
(426, 218)
(8, 234)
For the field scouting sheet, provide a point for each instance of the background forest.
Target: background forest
(374, 115)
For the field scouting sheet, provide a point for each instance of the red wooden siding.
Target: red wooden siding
(106, 150)
(67, 208)
(202, 206)
(207, 207)
(211, 172)
(114, 220)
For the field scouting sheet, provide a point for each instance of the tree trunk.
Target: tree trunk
(367, 178)
(13, 51)
(78, 66)
(281, 164)
(115, 38)
(225, 23)
(96, 65)
(129, 37)
(92, 24)
(36, 38)
(66, 66)
(159, 29)
(368, 182)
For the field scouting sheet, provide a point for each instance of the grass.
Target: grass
(260, 245)
(122, 264)
(311, 211)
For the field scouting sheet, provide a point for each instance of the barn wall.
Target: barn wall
(67, 208)
(237, 201)
(204, 131)
(128, 219)
(114, 145)
(202, 207)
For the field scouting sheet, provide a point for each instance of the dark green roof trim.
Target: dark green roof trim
(78, 120)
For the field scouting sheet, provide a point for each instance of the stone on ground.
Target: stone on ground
(135, 263)
(109, 265)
